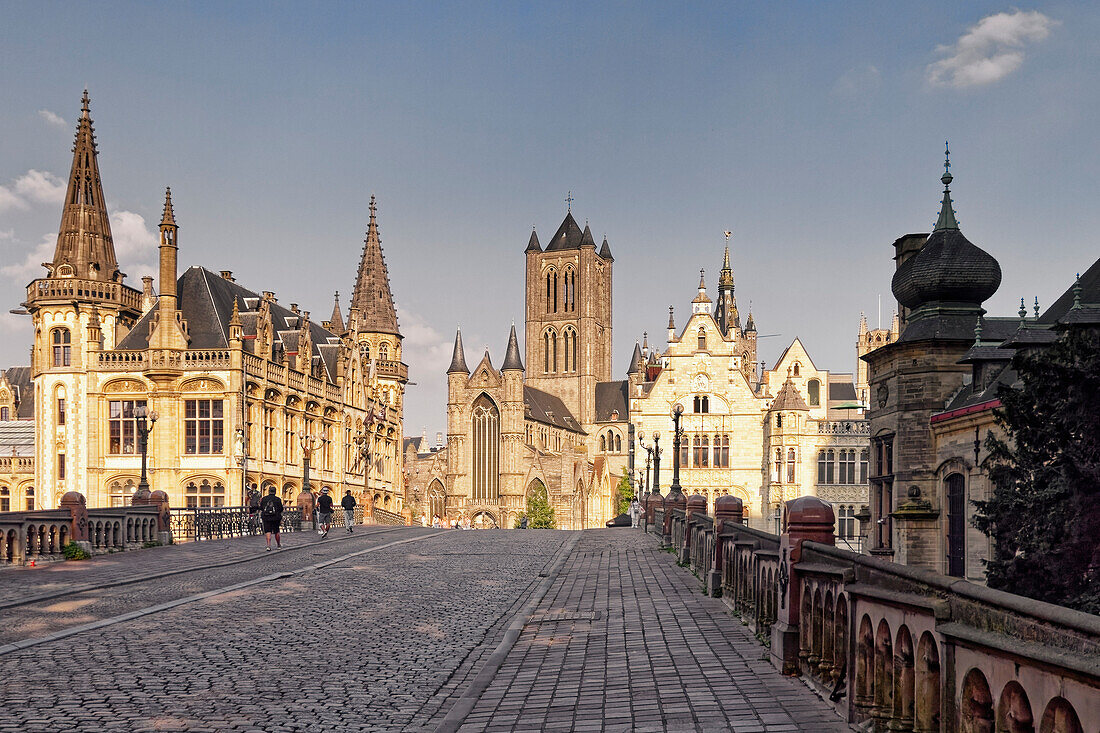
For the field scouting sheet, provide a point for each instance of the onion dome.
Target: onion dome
(948, 269)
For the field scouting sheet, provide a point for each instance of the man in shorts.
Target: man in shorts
(324, 513)
(348, 503)
(271, 514)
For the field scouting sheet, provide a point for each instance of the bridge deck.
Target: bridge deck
(485, 630)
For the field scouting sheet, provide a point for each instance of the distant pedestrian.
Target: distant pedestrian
(271, 514)
(635, 512)
(253, 510)
(436, 523)
(348, 502)
(324, 513)
(523, 522)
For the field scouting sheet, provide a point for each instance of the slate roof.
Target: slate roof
(206, 302)
(20, 380)
(789, 398)
(512, 358)
(568, 236)
(17, 437)
(841, 391)
(1090, 293)
(547, 409)
(611, 398)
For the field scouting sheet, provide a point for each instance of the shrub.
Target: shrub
(73, 551)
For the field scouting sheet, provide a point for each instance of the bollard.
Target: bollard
(159, 499)
(77, 505)
(675, 500)
(808, 518)
(728, 511)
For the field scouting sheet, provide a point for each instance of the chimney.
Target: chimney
(294, 308)
(269, 295)
(228, 275)
(146, 293)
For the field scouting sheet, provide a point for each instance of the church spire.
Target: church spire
(947, 212)
(511, 357)
(726, 312)
(458, 358)
(337, 320)
(372, 296)
(84, 241)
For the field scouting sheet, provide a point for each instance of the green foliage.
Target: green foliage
(73, 551)
(624, 494)
(152, 543)
(1044, 511)
(540, 515)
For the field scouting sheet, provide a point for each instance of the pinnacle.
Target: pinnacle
(169, 218)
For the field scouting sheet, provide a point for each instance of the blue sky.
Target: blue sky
(813, 131)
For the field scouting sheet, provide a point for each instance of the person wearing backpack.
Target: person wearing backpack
(253, 510)
(348, 502)
(324, 513)
(271, 514)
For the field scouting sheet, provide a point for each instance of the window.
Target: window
(863, 466)
(603, 443)
(777, 467)
(685, 445)
(955, 491)
(704, 453)
(122, 426)
(269, 433)
(550, 351)
(830, 466)
(550, 291)
(569, 350)
(204, 494)
(778, 420)
(702, 338)
(847, 467)
(821, 463)
(121, 493)
(555, 292)
(364, 352)
(721, 451)
(618, 444)
(790, 465)
(60, 466)
(702, 404)
(797, 368)
(383, 351)
(62, 348)
(813, 388)
(570, 283)
(203, 427)
(5, 499)
(28, 498)
(60, 410)
(846, 523)
(882, 491)
(486, 428)
(3, 414)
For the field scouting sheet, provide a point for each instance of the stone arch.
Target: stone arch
(927, 678)
(904, 682)
(1014, 710)
(1060, 717)
(484, 519)
(976, 708)
(437, 500)
(884, 669)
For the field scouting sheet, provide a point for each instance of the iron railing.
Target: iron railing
(215, 523)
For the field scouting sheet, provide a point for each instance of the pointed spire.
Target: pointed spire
(645, 342)
(586, 237)
(750, 325)
(726, 277)
(978, 331)
(671, 320)
(1077, 292)
(458, 358)
(84, 241)
(1022, 313)
(702, 281)
(337, 319)
(372, 296)
(636, 360)
(169, 218)
(511, 356)
(235, 316)
(533, 244)
(947, 212)
(1036, 307)
(605, 250)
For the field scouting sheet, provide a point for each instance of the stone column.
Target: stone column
(728, 511)
(159, 499)
(808, 518)
(77, 505)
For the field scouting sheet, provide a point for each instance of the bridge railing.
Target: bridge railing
(381, 516)
(890, 646)
(191, 524)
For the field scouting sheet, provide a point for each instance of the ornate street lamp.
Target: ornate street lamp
(677, 440)
(657, 463)
(144, 419)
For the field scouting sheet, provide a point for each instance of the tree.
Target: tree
(624, 494)
(540, 515)
(1044, 511)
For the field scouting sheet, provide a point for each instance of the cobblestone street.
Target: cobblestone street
(481, 630)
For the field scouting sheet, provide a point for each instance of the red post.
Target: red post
(808, 518)
(159, 499)
(77, 505)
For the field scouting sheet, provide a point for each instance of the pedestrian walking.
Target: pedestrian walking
(253, 510)
(324, 513)
(271, 514)
(635, 512)
(348, 502)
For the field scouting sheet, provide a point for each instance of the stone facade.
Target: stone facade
(244, 389)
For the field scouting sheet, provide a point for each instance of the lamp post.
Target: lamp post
(657, 463)
(677, 440)
(144, 419)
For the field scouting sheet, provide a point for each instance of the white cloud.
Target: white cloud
(52, 118)
(31, 265)
(33, 187)
(858, 82)
(425, 347)
(13, 324)
(990, 50)
(135, 244)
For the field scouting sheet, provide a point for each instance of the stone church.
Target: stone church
(248, 392)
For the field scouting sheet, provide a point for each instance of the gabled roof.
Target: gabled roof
(568, 236)
(789, 398)
(20, 380)
(611, 398)
(543, 407)
(1090, 293)
(17, 438)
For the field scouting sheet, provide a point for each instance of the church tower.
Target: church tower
(78, 309)
(568, 316)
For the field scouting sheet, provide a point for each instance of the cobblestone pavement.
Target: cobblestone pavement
(625, 641)
(396, 638)
(240, 559)
(364, 644)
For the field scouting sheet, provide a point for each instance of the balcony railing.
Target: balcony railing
(71, 288)
(844, 427)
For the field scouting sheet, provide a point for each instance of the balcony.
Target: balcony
(67, 289)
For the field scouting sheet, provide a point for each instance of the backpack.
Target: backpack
(269, 509)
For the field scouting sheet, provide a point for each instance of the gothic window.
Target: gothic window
(847, 467)
(550, 291)
(121, 426)
(821, 462)
(121, 492)
(203, 426)
(269, 433)
(5, 499)
(685, 446)
(28, 498)
(326, 446)
(702, 404)
(60, 410)
(721, 451)
(383, 351)
(813, 387)
(790, 465)
(702, 338)
(830, 466)
(797, 368)
(555, 292)
(486, 468)
(704, 454)
(777, 467)
(618, 444)
(603, 444)
(569, 349)
(863, 466)
(204, 494)
(60, 466)
(570, 290)
(364, 351)
(62, 348)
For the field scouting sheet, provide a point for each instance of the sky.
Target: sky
(813, 131)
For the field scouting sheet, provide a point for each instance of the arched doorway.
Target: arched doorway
(484, 520)
(437, 501)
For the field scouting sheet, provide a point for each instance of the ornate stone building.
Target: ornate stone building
(244, 388)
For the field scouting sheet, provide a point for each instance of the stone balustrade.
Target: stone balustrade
(41, 535)
(68, 289)
(16, 464)
(893, 648)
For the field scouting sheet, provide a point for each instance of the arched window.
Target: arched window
(364, 351)
(685, 444)
(5, 499)
(790, 465)
(704, 454)
(486, 428)
(570, 289)
(813, 388)
(797, 368)
(121, 492)
(777, 467)
(28, 498)
(702, 404)
(573, 348)
(821, 463)
(830, 466)
(863, 466)
(569, 350)
(848, 466)
(955, 491)
(62, 347)
(697, 446)
(383, 351)
(702, 338)
(555, 292)
(204, 494)
(618, 444)
(549, 291)
(721, 451)
(603, 443)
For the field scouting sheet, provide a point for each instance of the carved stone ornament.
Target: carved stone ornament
(883, 394)
(784, 580)
(700, 382)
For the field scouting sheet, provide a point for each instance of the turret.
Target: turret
(672, 338)
(169, 331)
